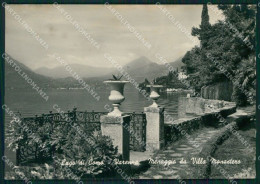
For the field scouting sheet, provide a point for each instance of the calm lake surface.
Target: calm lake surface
(30, 103)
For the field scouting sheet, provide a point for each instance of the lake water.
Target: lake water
(30, 103)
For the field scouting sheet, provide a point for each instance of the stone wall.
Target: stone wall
(219, 91)
(198, 106)
(174, 130)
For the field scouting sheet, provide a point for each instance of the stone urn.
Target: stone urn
(154, 95)
(116, 95)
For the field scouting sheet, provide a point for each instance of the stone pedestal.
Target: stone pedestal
(113, 126)
(154, 128)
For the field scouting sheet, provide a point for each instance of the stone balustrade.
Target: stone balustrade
(207, 116)
(160, 132)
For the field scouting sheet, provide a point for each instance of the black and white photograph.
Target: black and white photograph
(129, 92)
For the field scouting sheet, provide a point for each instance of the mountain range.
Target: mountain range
(13, 80)
(58, 77)
(138, 69)
(84, 71)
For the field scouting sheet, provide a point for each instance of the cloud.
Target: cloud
(104, 27)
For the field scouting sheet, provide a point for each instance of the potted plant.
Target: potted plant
(154, 95)
(116, 94)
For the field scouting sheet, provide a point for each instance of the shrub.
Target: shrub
(239, 97)
(76, 149)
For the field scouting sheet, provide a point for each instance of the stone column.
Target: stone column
(154, 128)
(113, 126)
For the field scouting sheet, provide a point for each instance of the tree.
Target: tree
(205, 17)
(202, 32)
(231, 46)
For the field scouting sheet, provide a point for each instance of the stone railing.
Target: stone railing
(208, 112)
(196, 105)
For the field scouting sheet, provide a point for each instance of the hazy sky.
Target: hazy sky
(113, 37)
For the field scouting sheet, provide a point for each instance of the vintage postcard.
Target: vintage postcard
(129, 92)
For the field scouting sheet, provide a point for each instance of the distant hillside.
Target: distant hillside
(177, 63)
(168, 81)
(142, 68)
(138, 69)
(84, 71)
(14, 80)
